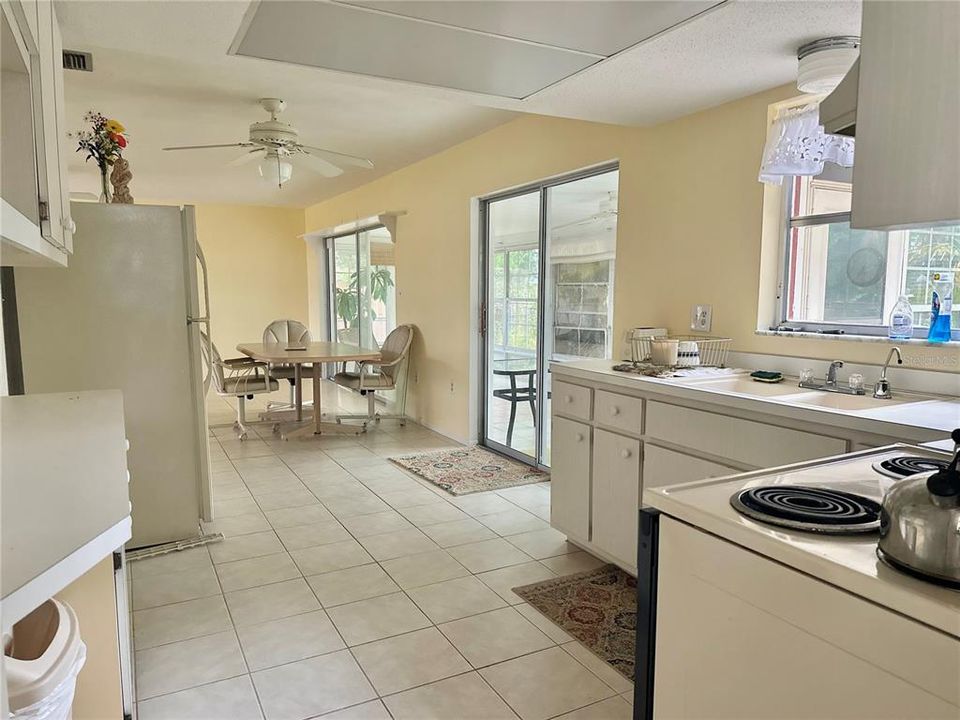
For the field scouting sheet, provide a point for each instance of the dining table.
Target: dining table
(315, 354)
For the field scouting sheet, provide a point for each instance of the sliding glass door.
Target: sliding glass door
(513, 323)
(549, 254)
(362, 287)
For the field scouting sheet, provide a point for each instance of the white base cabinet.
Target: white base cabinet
(569, 493)
(609, 442)
(616, 496)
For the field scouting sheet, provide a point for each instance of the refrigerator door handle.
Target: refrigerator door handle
(205, 319)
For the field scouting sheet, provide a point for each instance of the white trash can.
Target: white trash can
(42, 662)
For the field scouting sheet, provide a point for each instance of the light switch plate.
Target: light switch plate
(701, 317)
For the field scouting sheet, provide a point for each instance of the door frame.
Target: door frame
(484, 288)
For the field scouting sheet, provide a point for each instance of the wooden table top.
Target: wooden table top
(316, 352)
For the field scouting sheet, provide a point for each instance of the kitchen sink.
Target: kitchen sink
(745, 386)
(839, 401)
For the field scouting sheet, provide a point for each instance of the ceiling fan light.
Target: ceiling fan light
(822, 64)
(275, 171)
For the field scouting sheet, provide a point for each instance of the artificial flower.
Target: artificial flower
(114, 126)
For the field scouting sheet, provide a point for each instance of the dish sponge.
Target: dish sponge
(767, 376)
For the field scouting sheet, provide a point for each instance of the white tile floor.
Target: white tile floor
(347, 588)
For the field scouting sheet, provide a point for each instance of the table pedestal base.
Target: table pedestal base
(310, 430)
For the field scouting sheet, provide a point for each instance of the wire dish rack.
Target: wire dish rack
(708, 351)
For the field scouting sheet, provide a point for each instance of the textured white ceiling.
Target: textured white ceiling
(162, 67)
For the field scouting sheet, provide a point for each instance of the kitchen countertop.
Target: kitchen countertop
(63, 480)
(921, 419)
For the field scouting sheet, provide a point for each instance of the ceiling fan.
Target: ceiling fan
(606, 213)
(277, 145)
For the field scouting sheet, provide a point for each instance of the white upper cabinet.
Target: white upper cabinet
(35, 223)
(907, 169)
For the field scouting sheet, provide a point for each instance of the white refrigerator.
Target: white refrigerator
(127, 314)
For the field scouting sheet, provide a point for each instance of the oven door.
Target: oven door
(648, 544)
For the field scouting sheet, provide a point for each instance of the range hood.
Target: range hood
(838, 110)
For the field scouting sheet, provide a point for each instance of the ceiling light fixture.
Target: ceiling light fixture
(275, 170)
(823, 63)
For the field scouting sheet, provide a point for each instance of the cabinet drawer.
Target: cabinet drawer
(618, 411)
(742, 441)
(570, 478)
(571, 400)
(616, 496)
(666, 467)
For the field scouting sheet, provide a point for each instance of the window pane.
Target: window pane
(856, 273)
(814, 196)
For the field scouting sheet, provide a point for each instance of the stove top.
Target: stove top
(905, 465)
(811, 509)
(848, 561)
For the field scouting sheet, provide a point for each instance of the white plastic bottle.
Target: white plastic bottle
(901, 320)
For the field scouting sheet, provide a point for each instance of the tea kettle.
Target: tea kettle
(920, 523)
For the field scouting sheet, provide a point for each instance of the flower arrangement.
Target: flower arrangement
(103, 143)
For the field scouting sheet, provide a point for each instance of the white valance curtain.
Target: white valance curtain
(797, 145)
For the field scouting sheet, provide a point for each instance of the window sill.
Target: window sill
(857, 338)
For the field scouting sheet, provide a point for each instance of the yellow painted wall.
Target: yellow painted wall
(257, 267)
(689, 231)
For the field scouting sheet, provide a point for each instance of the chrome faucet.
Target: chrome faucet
(832, 373)
(831, 384)
(881, 390)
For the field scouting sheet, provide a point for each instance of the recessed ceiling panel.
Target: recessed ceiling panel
(602, 27)
(355, 40)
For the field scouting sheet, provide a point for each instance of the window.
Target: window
(583, 298)
(362, 286)
(515, 285)
(838, 278)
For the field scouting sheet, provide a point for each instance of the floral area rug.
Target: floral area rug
(462, 471)
(597, 607)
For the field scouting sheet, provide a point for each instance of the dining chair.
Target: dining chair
(286, 332)
(239, 378)
(388, 373)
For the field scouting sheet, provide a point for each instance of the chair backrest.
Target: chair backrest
(286, 331)
(214, 362)
(396, 345)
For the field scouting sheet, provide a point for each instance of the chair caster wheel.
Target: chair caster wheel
(276, 428)
(243, 436)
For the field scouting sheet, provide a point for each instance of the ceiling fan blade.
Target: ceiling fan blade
(317, 164)
(245, 158)
(339, 158)
(207, 147)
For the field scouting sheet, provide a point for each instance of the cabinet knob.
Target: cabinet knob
(625, 453)
(68, 224)
(579, 437)
(614, 410)
(568, 399)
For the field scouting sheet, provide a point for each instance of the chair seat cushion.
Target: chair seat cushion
(286, 372)
(352, 380)
(248, 385)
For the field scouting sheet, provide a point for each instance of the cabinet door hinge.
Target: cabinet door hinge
(117, 560)
(44, 210)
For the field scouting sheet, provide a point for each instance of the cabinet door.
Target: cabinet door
(908, 149)
(570, 478)
(61, 145)
(616, 495)
(47, 64)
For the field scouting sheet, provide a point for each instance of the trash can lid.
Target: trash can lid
(31, 679)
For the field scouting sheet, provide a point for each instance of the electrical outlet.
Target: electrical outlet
(701, 317)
